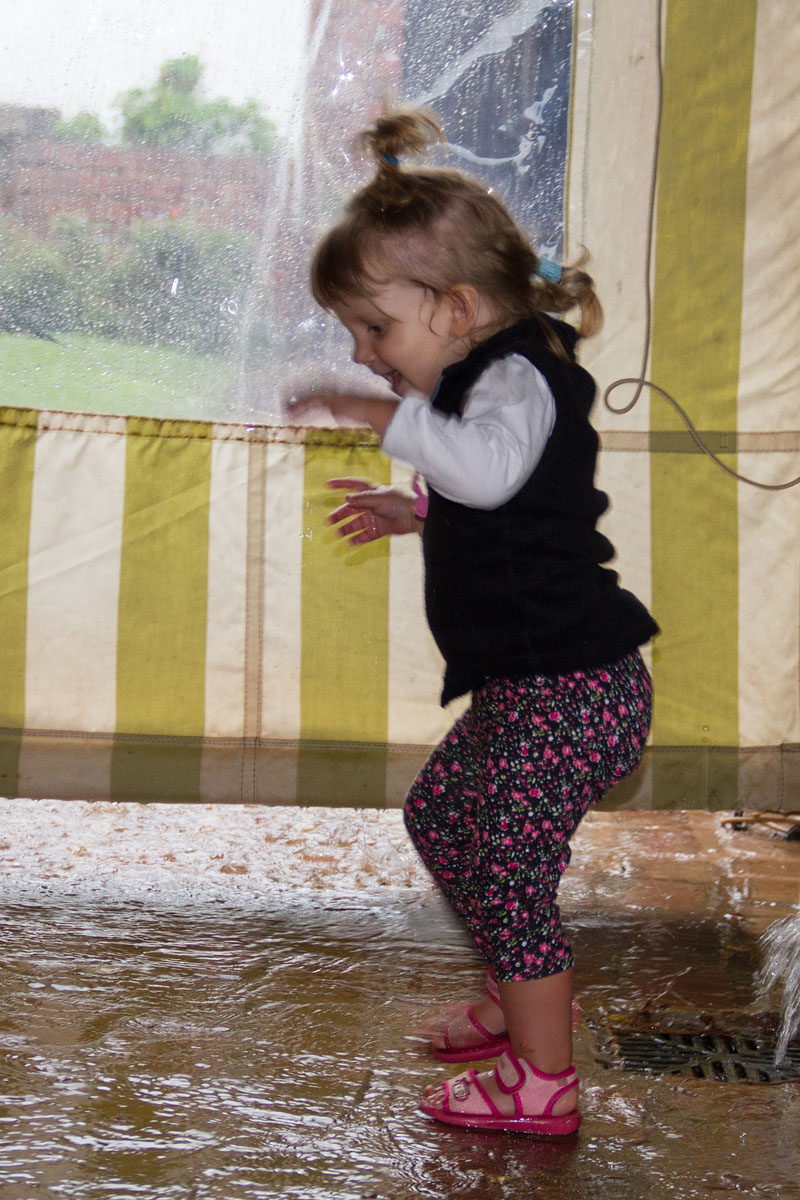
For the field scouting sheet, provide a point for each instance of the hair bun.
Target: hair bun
(399, 133)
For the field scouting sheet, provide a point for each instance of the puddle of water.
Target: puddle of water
(260, 1052)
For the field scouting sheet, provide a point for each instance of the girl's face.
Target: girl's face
(400, 331)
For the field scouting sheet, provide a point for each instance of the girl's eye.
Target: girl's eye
(376, 329)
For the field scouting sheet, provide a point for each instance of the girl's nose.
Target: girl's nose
(362, 354)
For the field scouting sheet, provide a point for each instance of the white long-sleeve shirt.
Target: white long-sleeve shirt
(482, 459)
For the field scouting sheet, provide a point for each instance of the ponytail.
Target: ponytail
(573, 289)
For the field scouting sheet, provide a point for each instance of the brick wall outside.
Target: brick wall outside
(44, 178)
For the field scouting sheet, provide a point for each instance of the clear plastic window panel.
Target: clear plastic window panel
(160, 194)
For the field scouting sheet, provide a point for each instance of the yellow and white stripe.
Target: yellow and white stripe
(717, 560)
(769, 407)
(17, 456)
(181, 622)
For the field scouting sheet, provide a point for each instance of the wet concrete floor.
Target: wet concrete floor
(225, 1051)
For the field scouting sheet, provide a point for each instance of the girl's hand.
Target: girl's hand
(372, 512)
(344, 406)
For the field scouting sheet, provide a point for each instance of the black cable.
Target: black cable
(641, 381)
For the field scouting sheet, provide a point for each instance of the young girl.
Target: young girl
(446, 300)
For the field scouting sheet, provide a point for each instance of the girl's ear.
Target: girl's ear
(465, 305)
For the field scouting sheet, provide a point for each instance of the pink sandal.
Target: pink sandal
(474, 1042)
(485, 1044)
(466, 1101)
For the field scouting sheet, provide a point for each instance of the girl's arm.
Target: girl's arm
(370, 511)
(482, 458)
(363, 410)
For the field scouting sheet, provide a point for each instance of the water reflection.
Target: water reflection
(229, 1052)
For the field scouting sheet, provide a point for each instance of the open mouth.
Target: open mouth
(393, 378)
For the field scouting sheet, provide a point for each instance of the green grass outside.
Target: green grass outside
(88, 374)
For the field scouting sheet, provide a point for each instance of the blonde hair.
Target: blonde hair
(438, 228)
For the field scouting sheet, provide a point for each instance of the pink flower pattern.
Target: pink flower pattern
(492, 811)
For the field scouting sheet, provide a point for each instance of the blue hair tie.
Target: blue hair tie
(390, 158)
(549, 270)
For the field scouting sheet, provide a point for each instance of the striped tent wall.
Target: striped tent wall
(716, 559)
(179, 622)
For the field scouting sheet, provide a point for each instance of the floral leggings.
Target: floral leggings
(492, 811)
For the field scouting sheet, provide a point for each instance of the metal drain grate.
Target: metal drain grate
(725, 1057)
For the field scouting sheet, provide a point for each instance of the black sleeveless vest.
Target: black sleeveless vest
(520, 589)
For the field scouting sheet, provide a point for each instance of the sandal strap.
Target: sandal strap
(568, 1087)
(469, 1013)
(470, 1096)
(535, 1093)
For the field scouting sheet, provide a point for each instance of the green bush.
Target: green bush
(89, 258)
(162, 283)
(85, 128)
(33, 286)
(183, 286)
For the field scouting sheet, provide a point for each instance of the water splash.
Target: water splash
(780, 944)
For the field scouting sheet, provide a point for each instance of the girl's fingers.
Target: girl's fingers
(360, 528)
(365, 500)
(342, 514)
(370, 511)
(351, 530)
(367, 535)
(355, 506)
(339, 514)
(352, 485)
